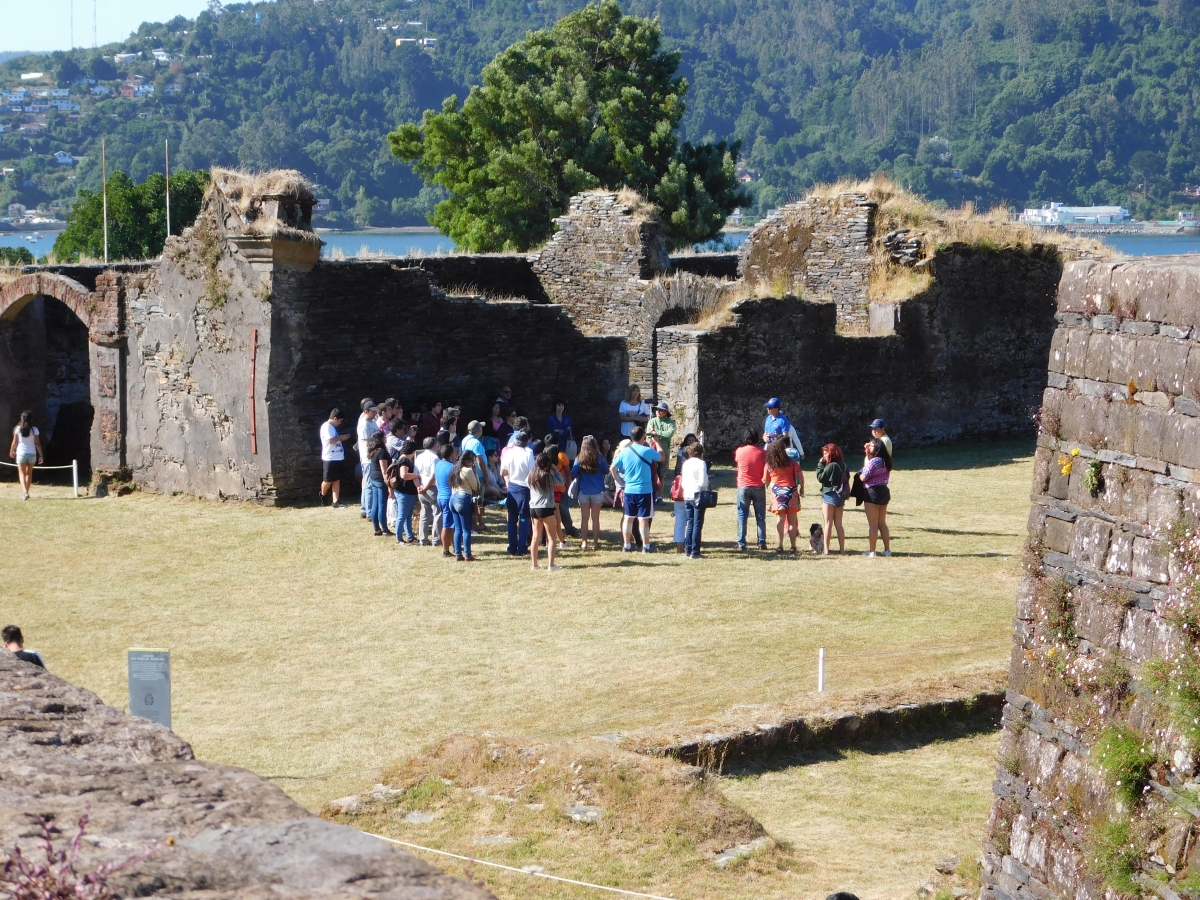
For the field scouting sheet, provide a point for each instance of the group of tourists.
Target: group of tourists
(427, 480)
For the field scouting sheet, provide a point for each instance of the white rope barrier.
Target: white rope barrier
(484, 862)
(74, 467)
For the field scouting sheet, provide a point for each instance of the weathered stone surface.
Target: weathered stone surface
(62, 752)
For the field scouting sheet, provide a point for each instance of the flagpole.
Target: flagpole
(167, 157)
(104, 191)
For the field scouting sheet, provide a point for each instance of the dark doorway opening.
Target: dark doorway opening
(44, 366)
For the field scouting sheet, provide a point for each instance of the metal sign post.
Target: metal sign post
(150, 684)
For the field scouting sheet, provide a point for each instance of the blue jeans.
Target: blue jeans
(519, 528)
(694, 516)
(462, 513)
(756, 497)
(405, 503)
(377, 504)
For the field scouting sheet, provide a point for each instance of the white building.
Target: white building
(1057, 214)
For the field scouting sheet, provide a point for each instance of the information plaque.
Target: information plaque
(150, 685)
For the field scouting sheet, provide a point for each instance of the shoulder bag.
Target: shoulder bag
(706, 499)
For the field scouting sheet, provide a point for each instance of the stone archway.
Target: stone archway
(683, 299)
(84, 400)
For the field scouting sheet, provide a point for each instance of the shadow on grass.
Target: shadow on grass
(896, 742)
(966, 456)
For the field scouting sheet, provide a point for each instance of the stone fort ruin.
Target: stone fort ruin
(209, 370)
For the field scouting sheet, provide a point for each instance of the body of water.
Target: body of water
(43, 245)
(385, 243)
(1152, 244)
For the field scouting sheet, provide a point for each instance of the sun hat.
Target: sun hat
(773, 403)
(663, 405)
(878, 423)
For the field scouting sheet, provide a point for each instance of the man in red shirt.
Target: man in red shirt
(751, 461)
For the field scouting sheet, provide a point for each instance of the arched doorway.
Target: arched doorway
(45, 366)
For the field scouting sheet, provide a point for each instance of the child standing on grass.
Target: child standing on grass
(785, 484)
(542, 509)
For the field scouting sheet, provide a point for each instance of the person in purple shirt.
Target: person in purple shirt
(875, 476)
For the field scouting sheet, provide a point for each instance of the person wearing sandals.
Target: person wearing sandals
(542, 509)
(785, 484)
(694, 479)
(832, 476)
(465, 486)
(875, 476)
(590, 470)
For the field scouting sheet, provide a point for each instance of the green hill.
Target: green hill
(981, 100)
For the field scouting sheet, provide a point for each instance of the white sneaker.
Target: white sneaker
(887, 552)
(554, 568)
(868, 553)
(26, 497)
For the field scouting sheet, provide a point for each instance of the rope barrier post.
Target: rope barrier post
(75, 475)
(821, 671)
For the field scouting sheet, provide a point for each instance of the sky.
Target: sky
(45, 25)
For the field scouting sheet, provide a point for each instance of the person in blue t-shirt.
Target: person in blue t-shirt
(441, 474)
(778, 425)
(634, 462)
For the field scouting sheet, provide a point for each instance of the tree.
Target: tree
(591, 102)
(137, 226)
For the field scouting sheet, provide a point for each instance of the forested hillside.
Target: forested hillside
(985, 100)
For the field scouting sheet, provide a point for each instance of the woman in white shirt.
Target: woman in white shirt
(633, 410)
(26, 449)
(693, 477)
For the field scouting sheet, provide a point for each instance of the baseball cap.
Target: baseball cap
(773, 402)
(878, 423)
(473, 424)
(662, 404)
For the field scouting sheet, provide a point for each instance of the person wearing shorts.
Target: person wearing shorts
(542, 481)
(635, 463)
(333, 457)
(875, 476)
(590, 469)
(26, 449)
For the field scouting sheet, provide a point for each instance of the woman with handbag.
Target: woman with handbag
(875, 476)
(679, 510)
(694, 482)
(785, 484)
(588, 476)
(832, 476)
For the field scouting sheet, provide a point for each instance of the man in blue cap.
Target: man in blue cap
(879, 432)
(778, 425)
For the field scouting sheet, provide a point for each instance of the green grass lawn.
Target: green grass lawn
(303, 645)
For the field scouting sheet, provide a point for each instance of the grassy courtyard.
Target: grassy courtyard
(302, 645)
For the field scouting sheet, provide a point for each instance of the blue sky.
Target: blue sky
(45, 24)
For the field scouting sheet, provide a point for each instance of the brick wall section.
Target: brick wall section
(361, 328)
(818, 248)
(1124, 366)
(965, 361)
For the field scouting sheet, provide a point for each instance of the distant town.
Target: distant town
(1106, 220)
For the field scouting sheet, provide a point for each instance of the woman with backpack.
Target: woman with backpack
(26, 449)
(464, 488)
(833, 476)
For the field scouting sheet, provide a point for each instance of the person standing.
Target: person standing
(694, 478)
(833, 478)
(633, 411)
(879, 432)
(406, 493)
(516, 463)
(559, 424)
(590, 469)
(751, 462)
(26, 449)
(562, 503)
(333, 457)
(14, 643)
(472, 442)
(496, 430)
(662, 428)
(875, 476)
(430, 522)
(785, 483)
(465, 486)
(441, 477)
(542, 481)
(634, 462)
(367, 426)
(375, 483)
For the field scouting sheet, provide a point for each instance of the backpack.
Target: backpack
(392, 476)
(843, 490)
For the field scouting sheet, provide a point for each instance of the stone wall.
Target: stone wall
(64, 754)
(1117, 467)
(351, 329)
(494, 275)
(964, 361)
(817, 248)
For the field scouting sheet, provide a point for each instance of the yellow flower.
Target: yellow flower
(1075, 452)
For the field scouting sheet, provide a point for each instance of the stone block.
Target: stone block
(1121, 428)
(1058, 347)
(1075, 353)
(1096, 620)
(1042, 460)
(1145, 635)
(1073, 287)
(1119, 560)
(1139, 329)
(1163, 507)
(1183, 302)
(1026, 597)
(1089, 544)
(1151, 428)
(1170, 365)
(1099, 353)
(1185, 406)
(1174, 331)
(1153, 294)
(1142, 372)
(1181, 443)
(1059, 535)
(1105, 323)
(1150, 560)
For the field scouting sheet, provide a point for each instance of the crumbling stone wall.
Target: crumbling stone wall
(360, 328)
(1104, 600)
(64, 754)
(964, 360)
(817, 248)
